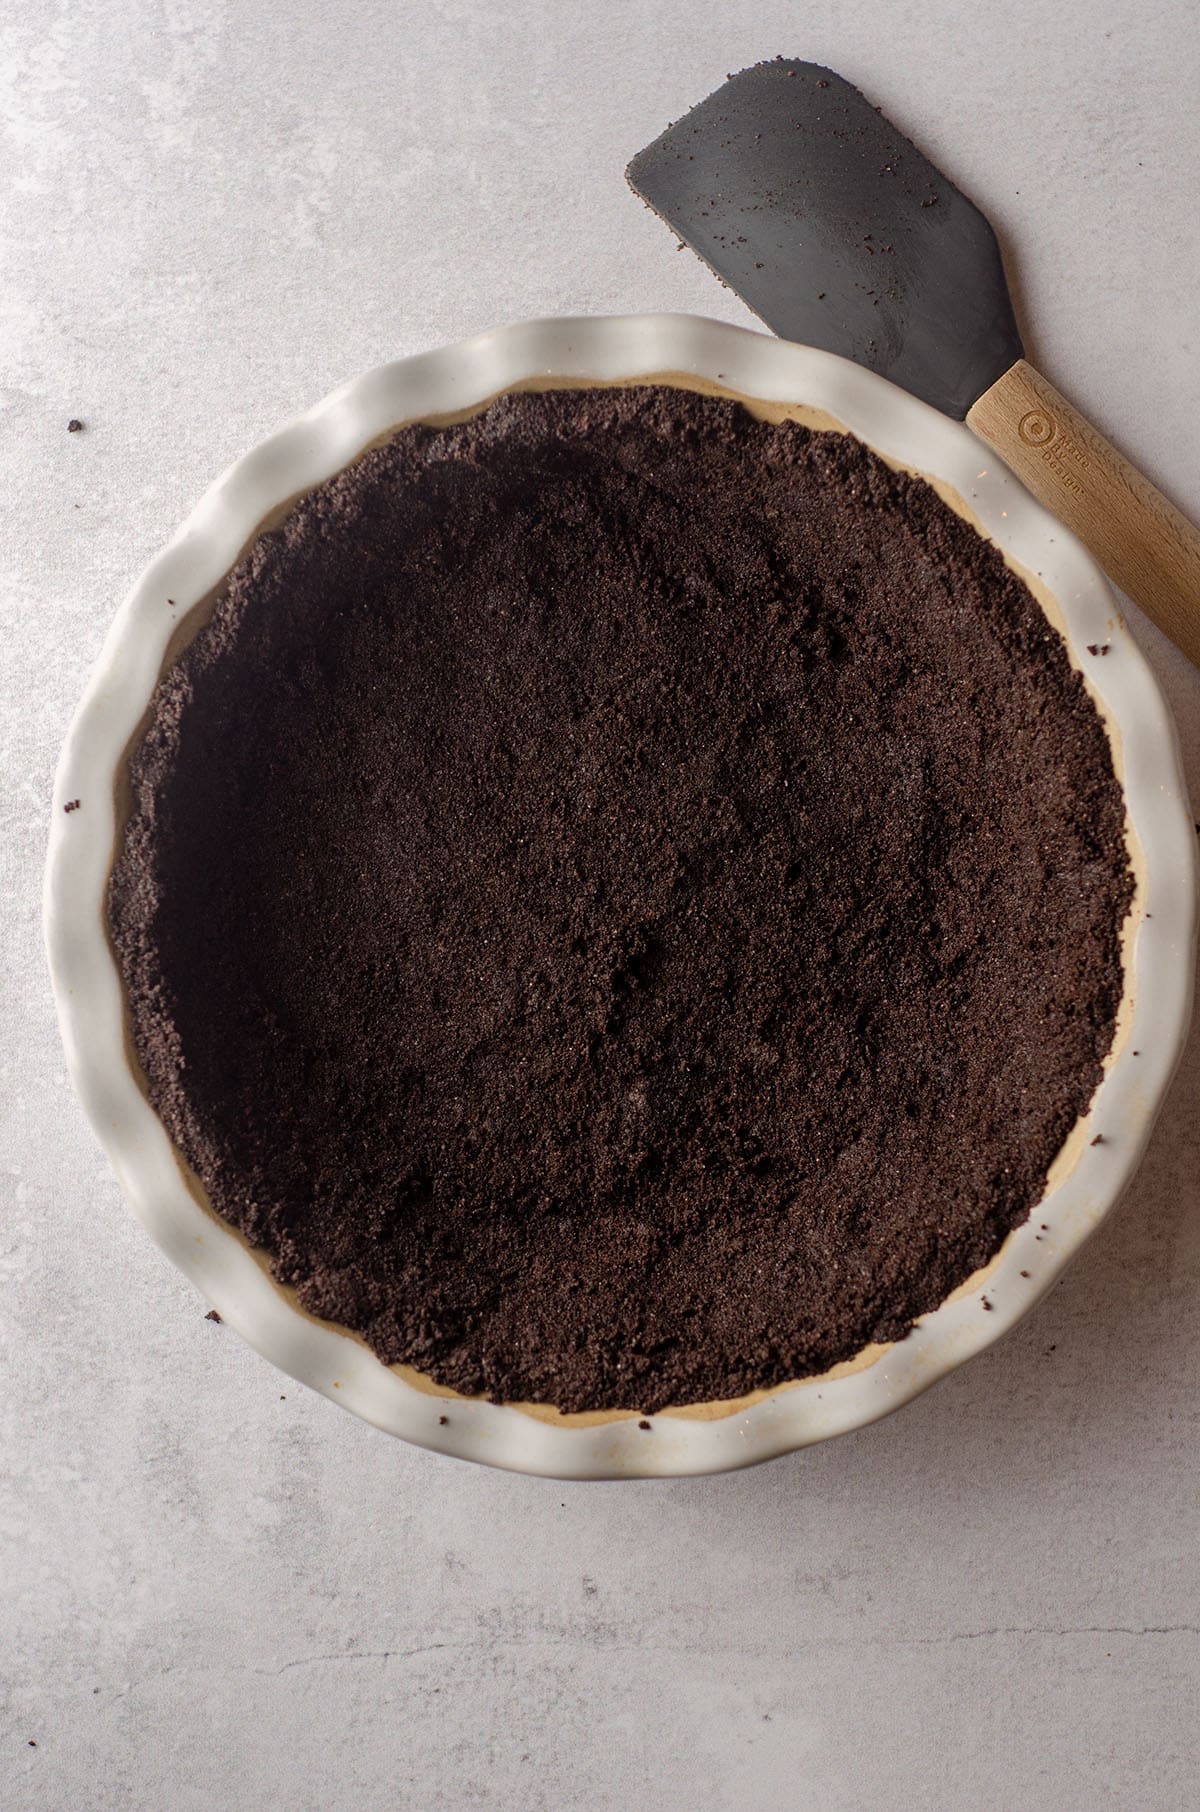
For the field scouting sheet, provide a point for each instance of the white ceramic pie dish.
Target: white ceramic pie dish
(1159, 947)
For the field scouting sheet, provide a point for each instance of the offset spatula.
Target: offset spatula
(838, 233)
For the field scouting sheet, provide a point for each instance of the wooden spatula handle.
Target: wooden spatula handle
(1141, 539)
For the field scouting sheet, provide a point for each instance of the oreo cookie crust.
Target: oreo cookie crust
(622, 901)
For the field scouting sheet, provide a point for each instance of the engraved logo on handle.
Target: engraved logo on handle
(1037, 427)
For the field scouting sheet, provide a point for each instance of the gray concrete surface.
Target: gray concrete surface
(216, 1589)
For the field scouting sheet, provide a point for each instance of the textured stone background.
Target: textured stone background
(216, 1589)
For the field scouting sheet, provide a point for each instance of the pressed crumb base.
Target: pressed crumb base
(622, 901)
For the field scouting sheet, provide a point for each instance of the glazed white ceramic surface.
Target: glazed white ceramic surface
(88, 992)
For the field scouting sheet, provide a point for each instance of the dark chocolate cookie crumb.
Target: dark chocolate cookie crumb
(443, 1421)
(74, 426)
(72, 805)
(644, 1425)
(213, 1316)
(622, 901)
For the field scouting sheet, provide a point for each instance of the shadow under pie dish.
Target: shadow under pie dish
(623, 899)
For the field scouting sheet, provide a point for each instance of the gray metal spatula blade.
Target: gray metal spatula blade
(836, 231)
